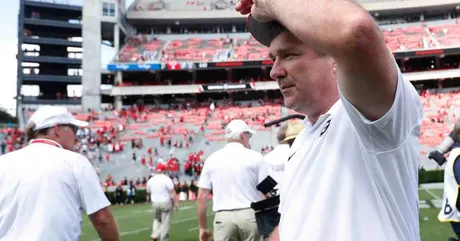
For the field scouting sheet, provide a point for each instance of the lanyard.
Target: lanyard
(45, 141)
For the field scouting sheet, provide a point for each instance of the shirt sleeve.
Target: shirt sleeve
(92, 197)
(148, 185)
(390, 131)
(169, 184)
(205, 178)
(263, 170)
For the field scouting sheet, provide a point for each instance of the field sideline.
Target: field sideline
(135, 221)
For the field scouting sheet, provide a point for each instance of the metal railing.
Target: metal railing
(65, 2)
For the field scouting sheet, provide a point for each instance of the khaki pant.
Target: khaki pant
(162, 213)
(237, 225)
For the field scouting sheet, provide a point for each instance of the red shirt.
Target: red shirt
(175, 167)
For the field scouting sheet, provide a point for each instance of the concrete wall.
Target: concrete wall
(91, 64)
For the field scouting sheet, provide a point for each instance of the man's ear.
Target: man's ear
(56, 130)
(334, 68)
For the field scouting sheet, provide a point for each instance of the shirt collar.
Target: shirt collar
(324, 116)
(234, 144)
(45, 141)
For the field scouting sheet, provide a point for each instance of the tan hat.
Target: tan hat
(293, 129)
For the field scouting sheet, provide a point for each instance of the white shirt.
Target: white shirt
(277, 160)
(44, 191)
(161, 160)
(353, 179)
(233, 173)
(159, 187)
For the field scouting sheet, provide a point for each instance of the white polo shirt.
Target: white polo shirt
(44, 190)
(277, 160)
(159, 187)
(352, 179)
(233, 173)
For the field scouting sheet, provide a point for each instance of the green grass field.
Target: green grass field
(135, 221)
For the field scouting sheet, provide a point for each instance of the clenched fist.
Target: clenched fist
(261, 10)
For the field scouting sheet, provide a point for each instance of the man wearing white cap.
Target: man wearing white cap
(232, 173)
(46, 186)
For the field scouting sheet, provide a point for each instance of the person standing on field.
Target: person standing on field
(46, 185)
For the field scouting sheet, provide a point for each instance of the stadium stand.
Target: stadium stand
(198, 50)
(153, 48)
(249, 49)
(140, 48)
(114, 137)
(447, 35)
(121, 144)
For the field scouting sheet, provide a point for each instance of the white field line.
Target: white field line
(431, 193)
(149, 228)
(141, 213)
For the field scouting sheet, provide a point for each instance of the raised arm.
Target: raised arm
(366, 71)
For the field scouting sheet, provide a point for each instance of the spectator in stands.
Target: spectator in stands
(56, 178)
(161, 160)
(160, 190)
(236, 168)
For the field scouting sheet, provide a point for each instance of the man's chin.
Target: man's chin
(290, 104)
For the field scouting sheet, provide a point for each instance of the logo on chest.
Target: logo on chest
(328, 123)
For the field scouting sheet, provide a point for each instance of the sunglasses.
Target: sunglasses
(72, 127)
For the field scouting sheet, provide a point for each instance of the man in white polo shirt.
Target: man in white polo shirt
(46, 185)
(160, 189)
(357, 158)
(232, 173)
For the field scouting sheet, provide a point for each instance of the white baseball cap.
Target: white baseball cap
(49, 116)
(237, 127)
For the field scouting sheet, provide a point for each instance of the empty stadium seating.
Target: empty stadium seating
(195, 49)
(404, 39)
(249, 49)
(447, 35)
(188, 5)
(139, 49)
(147, 48)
